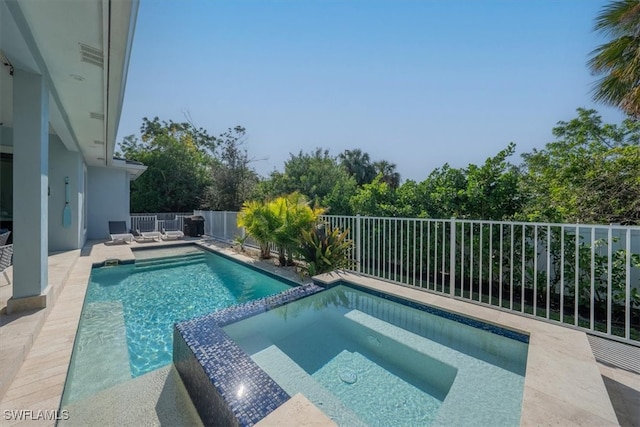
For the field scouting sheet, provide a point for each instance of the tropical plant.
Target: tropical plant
(261, 223)
(281, 222)
(323, 250)
(295, 216)
(619, 59)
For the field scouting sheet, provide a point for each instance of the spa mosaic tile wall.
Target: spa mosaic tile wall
(225, 385)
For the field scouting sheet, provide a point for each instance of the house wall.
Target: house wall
(6, 136)
(108, 200)
(64, 163)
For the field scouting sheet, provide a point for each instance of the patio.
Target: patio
(36, 361)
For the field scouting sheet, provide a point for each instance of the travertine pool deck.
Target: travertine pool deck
(563, 386)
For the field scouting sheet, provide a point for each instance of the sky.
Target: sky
(419, 83)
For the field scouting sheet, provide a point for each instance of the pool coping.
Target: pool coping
(563, 384)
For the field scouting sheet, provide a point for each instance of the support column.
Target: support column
(30, 192)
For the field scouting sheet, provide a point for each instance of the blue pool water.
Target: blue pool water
(366, 360)
(126, 326)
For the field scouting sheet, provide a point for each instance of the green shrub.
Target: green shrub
(324, 251)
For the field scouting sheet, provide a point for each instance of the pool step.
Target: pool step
(103, 331)
(169, 259)
(293, 379)
(168, 264)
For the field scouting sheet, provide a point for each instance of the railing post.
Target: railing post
(452, 258)
(358, 254)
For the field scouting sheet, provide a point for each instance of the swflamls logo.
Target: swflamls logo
(35, 415)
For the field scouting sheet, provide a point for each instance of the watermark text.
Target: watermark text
(35, 414)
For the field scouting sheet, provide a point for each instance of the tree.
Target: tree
(337, 201)
(589, 174)
(232, 179)
(445, 191)
(176, 156)
(317, 175)
(493, 189)
(377, 199)
(387, 172)
(618, 61)
(358, 165)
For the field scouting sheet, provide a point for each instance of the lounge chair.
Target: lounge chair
(171, 230)
(118, 232)
(148, 230)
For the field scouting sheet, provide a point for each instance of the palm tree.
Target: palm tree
(295, 216)
(619, 60)
(358, 165)
(261, 223)
(281, 222)
(388, 173)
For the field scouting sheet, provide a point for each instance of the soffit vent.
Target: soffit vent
(98, 142)
(97, 116)
(91, 55)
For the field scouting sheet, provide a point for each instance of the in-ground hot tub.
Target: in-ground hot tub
(361, 356)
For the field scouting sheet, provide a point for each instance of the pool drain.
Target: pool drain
(348, 376)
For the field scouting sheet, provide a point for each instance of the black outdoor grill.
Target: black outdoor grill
(194, 225)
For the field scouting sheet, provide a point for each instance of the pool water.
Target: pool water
(126, 325)
(365, 360)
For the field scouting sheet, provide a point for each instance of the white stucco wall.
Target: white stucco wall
(108, 200)
(64, 163)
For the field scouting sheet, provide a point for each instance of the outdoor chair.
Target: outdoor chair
(4, 237)
(148, 230)
(6, 260)
(171, 230)
(118, 232)
(6, 256)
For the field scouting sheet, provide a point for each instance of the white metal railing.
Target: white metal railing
(584, 276)
(158, 219)
(223, 225)
(578, 275)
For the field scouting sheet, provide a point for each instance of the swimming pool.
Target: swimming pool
(366, 358)
(126, 324)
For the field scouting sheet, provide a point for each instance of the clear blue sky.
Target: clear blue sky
(417, 83)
